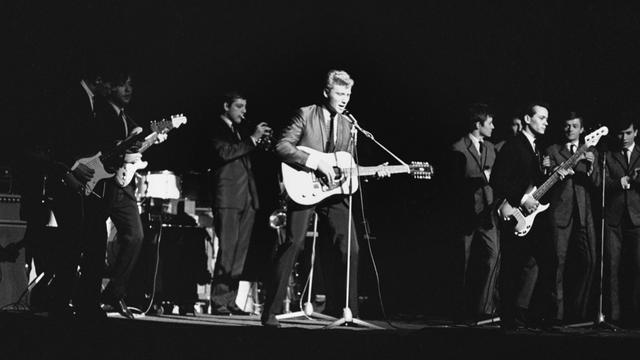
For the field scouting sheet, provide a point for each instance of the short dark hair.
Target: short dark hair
(117, 74)
(570, 115)
(231, 96)
(624, 120)
(529, 108)
(478, 112)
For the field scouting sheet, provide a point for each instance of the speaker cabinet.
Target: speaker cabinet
(13, 271)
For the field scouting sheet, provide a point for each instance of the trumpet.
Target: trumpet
(265, 143)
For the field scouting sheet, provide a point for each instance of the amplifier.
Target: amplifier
(9, 207)
(13, 271)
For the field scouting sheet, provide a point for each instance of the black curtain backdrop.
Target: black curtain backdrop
(416, 66)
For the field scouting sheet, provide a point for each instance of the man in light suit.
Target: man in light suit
(476, 241)
(235, 199)
(622, 230)
(572, 227)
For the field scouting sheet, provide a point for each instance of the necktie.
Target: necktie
(625, 152)
(124, 122)
(330, 147)
(235, 131)
(571, 148)
(480, 147)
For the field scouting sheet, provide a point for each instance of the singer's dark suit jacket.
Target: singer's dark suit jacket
(620, 201)
(232, 176)
(308, 129)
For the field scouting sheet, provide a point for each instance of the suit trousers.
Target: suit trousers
(233, 228)
(333, 215)
(622, 271)
(520, 258)
(479, 268)
(77, 218)
(122, 208)
(573, 270)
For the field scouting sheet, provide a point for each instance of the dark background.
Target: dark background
(416, 66)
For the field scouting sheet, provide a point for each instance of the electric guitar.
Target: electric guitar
(523, 223)
(305, 187)
(96, 162)
(124, 174)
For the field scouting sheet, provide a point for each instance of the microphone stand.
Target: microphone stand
(599, 322)
(347, 316)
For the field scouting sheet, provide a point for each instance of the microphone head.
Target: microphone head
(346, 112)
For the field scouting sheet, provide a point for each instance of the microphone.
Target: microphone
(347, 113)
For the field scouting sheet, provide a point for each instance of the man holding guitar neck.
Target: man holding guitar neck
(119, 202)
(572, 227)
(518, 166)
(324, 128)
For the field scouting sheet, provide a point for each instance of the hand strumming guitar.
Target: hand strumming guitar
(327, 170)
(530, 205)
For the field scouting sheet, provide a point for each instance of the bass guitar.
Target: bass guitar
(124, 174)
(523, 223)
(305, 187)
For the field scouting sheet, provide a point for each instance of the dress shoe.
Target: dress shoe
(123, 309)
(270, 321)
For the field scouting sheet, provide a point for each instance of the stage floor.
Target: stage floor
(26, 335)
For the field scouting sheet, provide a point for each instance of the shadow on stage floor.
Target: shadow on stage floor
(26, 335)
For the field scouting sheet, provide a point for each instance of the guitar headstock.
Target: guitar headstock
(421, 170)
(593, 138)
(166, 125)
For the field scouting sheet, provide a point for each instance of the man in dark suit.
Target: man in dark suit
(622, 230)
(235, 199)
(573, 236)
(477, 245)
(517, 167)
(74, 137)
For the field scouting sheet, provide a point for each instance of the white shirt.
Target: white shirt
(531, 139)
(119, 112)
(633, 145)
(476, 142)
(230, 125)
(314, 159)
(573, 143)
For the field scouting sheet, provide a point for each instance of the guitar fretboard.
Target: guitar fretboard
(568, 164)
(372, 170)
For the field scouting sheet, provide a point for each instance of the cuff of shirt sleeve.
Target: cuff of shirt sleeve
(312, 161)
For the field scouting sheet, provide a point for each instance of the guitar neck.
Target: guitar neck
(568, 164)
(372, 170)
(148, 141)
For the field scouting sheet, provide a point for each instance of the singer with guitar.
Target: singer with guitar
(323, 128)
(518, 166)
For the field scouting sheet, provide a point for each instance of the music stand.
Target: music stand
(347, 316)
(307, 309)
